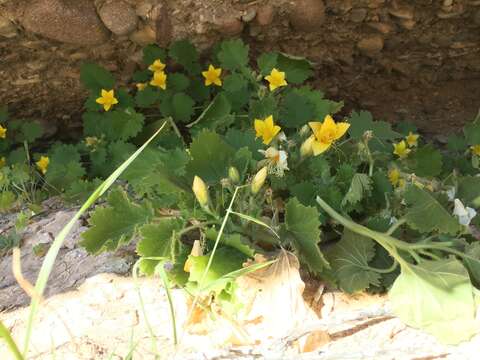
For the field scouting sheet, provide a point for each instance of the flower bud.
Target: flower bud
(233, 174)
(306, 148)
(259, 180)
(200, 190)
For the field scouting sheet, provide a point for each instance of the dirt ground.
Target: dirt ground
(412, 60)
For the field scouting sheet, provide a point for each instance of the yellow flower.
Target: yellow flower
(212, 76)
(159, 80)
(3, 132)
(107, 99)
(401, 150)
(326, 133)
(200, 190)
(475, 149)
(42, 164)
(412, 139)
(394, 177)
(3, 161)
(276, 79)
(157, 65)
(141, 86)
(266, 129)
(259, 179)
(306, 149)
(91, 141)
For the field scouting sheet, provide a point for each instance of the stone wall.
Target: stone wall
(415, 60)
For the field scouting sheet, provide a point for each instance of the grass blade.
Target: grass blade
(50, 257)
(10, 342)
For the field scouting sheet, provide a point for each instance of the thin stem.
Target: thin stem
(395, 226)
(175, 128)
(384, 271)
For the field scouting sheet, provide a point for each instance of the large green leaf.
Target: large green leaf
(363, 121)
(211, 157)
(226, 260)
(121, 124)
(360, 186)
(158, 240)
(469, 189)
(233, 54)
(115, 224)
(436, 296)
(296, 110)
(297, 69)
(349, 259)
(426, 214)
(303, 226)
(426, 161)
(96, 78)
(215, 113)
(185, 53)
(472, 131)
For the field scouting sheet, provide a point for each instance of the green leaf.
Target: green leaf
(456, 143)
(31, 131)
(158, 240)
(469, 189)
(153, 52)
(80, 190)
(381, 187)
(157, 172)
(297, 69)
(235, 241)
(472, 262)
(360, 186)
(147, 97)
(472, 131)
(184, 53)
(322, 107)
(115, 224)
(182, 105)
(3, 114)
(178, 82)
(426, 161)
(266, 62)
(363, 121)
(7, 199)
(437, 297)
(405, 128)
(234, 82)
(296, 110)
(211, 157)
(96, 78)
(226, 260)
(114, 125)
(239, 139)
(233, 54)
(264, 107)
(349, 260)
(61, 176)
(426, 214)
(215, 113)
(305, 192)
(303, 225)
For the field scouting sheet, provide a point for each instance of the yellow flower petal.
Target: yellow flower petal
(276, 79)
(476, 149)
(42, 164)
(107, 99)
(3, 132)
(316, 127)
(412, 139)
(342, 128)
(159, 80)
(212, 76)
(320, 147)
(157, 65)
(266, 129)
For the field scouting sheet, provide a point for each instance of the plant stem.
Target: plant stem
(395, 226)
(384, 271)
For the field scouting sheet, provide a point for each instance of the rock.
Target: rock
(230, 26)
(70, 21)
(307, 15)
(402, 12)
(371, 45)
(265, 14)
(144, 36)
(143, 9)
(407, 24)
(358, 15)
(7, 29)
(119, 17)
(249, 15)
(383, 28)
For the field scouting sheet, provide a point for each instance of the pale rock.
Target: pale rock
(144, 36)
(265, 15)
(72, 21)
(7, 28)
(307, 15)
(371, 45)
(119, 17)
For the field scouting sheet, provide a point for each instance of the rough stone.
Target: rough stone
(476, 18)
(307, 15)
(7, 29)
(402, 12)
(265, 15)
(70, 21)
(371, 45)
(358, 15)
(230, 26)
(144, 36)
(119, 17)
